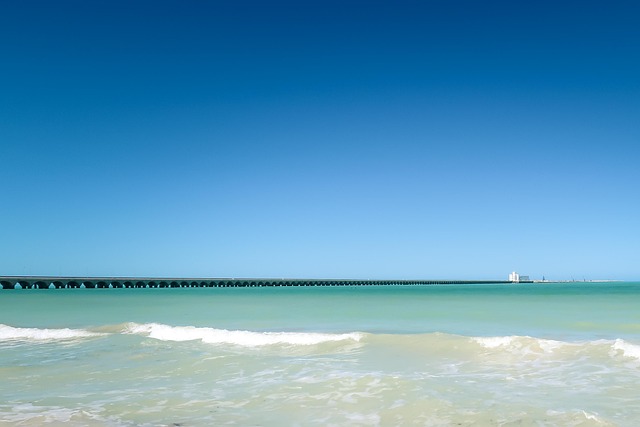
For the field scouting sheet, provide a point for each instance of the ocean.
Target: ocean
(565, 354)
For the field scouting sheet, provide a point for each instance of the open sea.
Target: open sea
(461, 355)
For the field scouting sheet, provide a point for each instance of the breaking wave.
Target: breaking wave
(8, 333)
(429, 343)
(627, 349)
(524, 343)
(530, 345)
(240, 338)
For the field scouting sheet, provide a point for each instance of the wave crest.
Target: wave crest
(627, 349)
(519, 343)
(531, 345)
(241, 338)
(8, 333)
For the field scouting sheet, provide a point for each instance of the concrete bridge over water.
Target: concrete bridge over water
(46, 282)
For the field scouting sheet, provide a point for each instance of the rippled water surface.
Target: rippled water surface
(542, 354)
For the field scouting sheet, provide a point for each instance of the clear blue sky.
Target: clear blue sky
(355, 139)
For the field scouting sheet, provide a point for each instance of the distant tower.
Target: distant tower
(514, 277)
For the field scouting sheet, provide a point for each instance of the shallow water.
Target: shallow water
(542, 354)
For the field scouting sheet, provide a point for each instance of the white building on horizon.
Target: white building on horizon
(517, 278)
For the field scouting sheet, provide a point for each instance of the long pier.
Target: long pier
(45, 282)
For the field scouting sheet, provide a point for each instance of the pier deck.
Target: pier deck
(45, 282)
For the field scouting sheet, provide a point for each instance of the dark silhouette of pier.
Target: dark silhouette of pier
(46, 282)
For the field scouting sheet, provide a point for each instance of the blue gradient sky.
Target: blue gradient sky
(410, 139)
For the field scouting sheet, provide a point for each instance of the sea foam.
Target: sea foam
(627, 349)
(518, 343)
(240, 338)
(36, 334)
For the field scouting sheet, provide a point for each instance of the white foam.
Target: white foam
(493, 342)
(519, 343)
(241, 338)
(523, 344)
(591, 417)
(36, 334)
(627, 349)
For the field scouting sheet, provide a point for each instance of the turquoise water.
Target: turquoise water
(529, 354)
